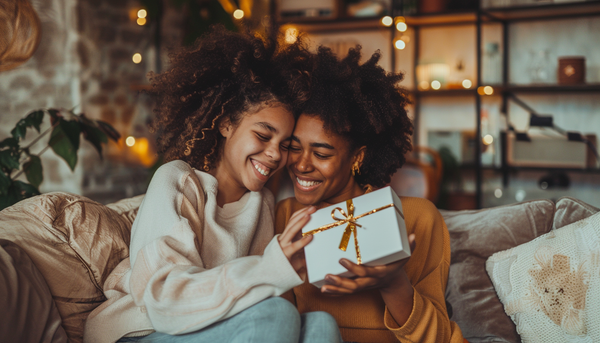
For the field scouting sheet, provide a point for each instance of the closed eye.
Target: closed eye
(262, 137)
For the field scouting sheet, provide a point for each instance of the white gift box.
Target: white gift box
(381, 236)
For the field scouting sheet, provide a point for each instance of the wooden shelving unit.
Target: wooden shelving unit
(478, 17)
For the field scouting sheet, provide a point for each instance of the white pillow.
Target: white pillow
(550, 286)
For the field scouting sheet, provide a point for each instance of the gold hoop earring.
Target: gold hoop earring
(355, 169)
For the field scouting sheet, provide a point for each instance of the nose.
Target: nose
(303, 163)
(273, 152)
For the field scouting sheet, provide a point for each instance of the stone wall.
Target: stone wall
(85, 62)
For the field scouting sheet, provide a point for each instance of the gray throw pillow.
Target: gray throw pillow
(475, 236)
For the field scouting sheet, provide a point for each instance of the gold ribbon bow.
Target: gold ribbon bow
(350, 228)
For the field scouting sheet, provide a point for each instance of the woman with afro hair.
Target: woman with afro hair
(351, 137)
(203, 264)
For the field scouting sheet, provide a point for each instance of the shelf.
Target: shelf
(546, 11)
(343, 24)
(471, 166)
(585, 88)
(498, 89)
(446, 92)
(452, 18)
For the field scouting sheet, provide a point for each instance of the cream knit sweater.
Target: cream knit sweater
(191, 262)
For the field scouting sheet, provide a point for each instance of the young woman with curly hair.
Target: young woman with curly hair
(204, 265)
(351, 137)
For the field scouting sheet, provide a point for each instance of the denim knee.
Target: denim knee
(277, 309)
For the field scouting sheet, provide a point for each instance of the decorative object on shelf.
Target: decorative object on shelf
(432, 6)
(434, 75)
(367, 8)
(539, 66)
(571, 70)
(65, 132)
(19, 33)
(547, 145)
(307, 9)
(491, 63)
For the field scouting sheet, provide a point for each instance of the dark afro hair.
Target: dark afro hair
(223, 76)
(364, 104)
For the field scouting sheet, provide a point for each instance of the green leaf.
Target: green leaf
(5, 183)
(9, 160)
(54, 115)
(33, 119)
(108, 130)
(10, 143)
(94, 135)
(25, 190)
(34, 171)
(64, 140)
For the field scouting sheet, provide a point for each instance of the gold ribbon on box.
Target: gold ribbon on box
(350, 228)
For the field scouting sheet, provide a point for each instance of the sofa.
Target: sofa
(57, 249)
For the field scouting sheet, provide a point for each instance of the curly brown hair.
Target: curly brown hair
(222, 77)
(364, 104)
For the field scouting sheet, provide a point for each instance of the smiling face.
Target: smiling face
(253, 150)
(320, 164)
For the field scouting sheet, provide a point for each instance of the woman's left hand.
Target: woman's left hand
(378, 277)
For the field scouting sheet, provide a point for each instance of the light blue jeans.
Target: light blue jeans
(272, 320)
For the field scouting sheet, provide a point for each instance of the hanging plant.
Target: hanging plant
(65, 132)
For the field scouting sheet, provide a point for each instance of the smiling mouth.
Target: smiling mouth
(307, 185)
(261, 168)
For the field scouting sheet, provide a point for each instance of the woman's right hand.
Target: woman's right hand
(291, 241)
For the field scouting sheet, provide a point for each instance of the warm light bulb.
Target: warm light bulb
(291, 35)
(142, 13)
(137, 58)
(488, 139)
(424, 85)
(488, 90)
(238, 14)
(401, 26)
(467, 83)
(435, 84)
(130, 141)
(498, 193)
(400, 44)
(141, 21)
(387, 21)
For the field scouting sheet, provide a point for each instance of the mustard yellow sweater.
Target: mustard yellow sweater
(363, 317)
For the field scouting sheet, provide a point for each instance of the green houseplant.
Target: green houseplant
(65, 132)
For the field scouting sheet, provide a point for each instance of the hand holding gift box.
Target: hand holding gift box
(376, 222)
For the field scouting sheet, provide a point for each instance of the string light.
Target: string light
(467, 83)
(142, 13)
(291, 35)
(488, 139)
(387, 21)
(130, 141)
(137, 58)
(435, 84)
(141, 21)
(487, 90)
(400, 45)
(401, 26)
(424, 85)
(238, 14)
(498, 193)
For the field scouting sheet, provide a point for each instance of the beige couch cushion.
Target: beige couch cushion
(28, 314)
(475, 236)
(75, 243)
(550, 286)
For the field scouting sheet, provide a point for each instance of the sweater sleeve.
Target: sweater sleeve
(168, 276)
(427, 270)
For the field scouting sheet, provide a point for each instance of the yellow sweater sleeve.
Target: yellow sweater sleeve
(427, 270)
